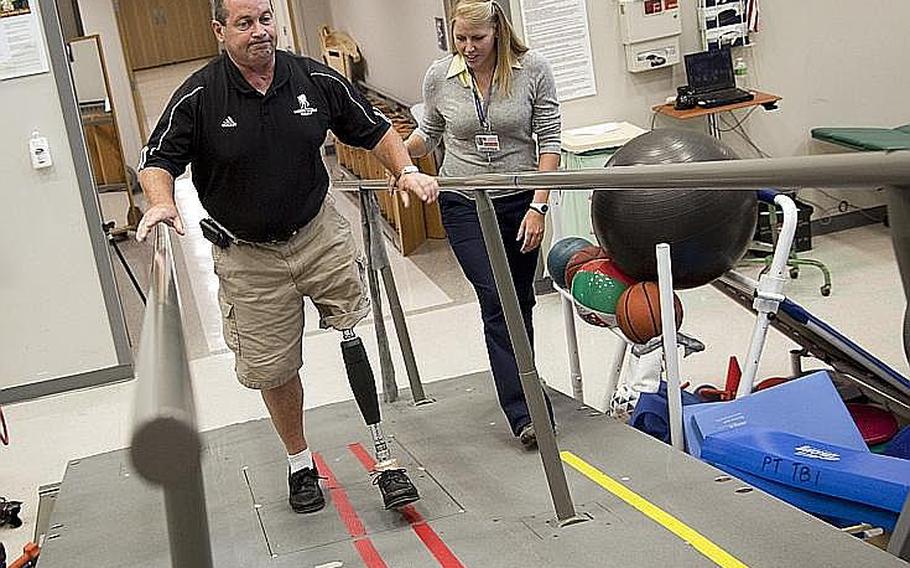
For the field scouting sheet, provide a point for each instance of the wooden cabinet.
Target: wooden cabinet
(411, 225)
(159, 32)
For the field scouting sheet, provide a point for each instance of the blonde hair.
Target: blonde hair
(509, 48)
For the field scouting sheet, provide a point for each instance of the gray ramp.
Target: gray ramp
(484, 500)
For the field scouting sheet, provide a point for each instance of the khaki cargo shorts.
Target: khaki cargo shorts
(263, 285)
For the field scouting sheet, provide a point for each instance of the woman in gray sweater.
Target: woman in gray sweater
(492, 103)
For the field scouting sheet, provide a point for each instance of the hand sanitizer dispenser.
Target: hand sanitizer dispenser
(40, 151)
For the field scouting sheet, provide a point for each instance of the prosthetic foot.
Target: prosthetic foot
(394, 485)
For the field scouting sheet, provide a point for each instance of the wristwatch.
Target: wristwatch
(409, 169)
(541, 208)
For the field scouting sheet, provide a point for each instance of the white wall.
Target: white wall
(98, 18)
(835, 62)
(88, 75)
(55, 321)
(311, 15)
(397, 39)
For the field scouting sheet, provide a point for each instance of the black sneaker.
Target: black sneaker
(528, 437)
(396, 488)
(305, 495)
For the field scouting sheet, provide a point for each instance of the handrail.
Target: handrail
(166, 447)
(833, 170)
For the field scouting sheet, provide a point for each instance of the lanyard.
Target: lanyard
(478, 103)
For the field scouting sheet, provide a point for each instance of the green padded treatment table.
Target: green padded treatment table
(866, 138)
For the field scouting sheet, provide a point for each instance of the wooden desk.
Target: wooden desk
(766, 100)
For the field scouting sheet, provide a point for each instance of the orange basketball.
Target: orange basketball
(638, 312)
(586, 254)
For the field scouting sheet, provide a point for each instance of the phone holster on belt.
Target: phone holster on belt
(215, 233)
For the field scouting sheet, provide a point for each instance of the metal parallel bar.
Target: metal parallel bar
(166, 447)
(527, 373)
(418, 395)
(833, 170)
(375, 262)
(377, 245)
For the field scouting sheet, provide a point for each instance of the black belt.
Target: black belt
(220, 236)
(276, 237)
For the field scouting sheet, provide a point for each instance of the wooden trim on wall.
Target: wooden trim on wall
(298, 35)
(137, 100)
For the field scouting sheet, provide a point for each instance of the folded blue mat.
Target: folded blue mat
(839, 512)
(798, 442)
(808, 406)
(813, 466)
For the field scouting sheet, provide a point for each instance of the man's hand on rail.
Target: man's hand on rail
(165, 213)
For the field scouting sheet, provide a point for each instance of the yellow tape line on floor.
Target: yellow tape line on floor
(717, 554)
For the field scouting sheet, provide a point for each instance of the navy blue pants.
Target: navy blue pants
(459, 217)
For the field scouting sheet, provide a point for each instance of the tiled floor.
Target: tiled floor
(866, 303)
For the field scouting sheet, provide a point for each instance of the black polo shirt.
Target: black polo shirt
(255, 158)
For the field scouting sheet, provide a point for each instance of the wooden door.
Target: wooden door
(159, 32)
(189, 27)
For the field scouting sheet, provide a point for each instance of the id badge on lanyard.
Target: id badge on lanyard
(488, 142)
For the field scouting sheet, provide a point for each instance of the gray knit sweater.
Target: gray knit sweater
(451, 117)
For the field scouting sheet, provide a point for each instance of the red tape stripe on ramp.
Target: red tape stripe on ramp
(425, 532)
(364, 546)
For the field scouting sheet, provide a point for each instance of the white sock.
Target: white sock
(301, 460)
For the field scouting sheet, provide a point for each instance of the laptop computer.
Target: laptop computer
(711, 80)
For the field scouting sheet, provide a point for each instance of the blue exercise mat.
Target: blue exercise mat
(808, 406)
(899, 446)
(839, 512)
(797, 441)
(652, 412)
(813, 466)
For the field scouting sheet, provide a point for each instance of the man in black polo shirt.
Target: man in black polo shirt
(251, 123)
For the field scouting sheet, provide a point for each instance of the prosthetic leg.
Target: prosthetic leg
(394, 485)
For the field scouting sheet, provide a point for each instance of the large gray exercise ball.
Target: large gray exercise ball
(708, 230)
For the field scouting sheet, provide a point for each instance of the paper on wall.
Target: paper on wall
(558, 29)
(22, 48)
